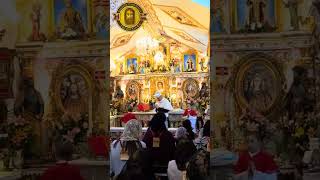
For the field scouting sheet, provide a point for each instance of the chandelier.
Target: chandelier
(146, 45)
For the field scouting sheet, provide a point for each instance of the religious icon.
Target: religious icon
(292, 5)
(35, 18)
(132, 65)
(190, 63)
(255, 15)
(69, 20)
(74, 95)
(101, 19)
(191, 88)
(133, 90)
(160, 87)
(129, 16)
(257, 86)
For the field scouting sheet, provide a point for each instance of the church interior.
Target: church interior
(69, 69)
(266, 81)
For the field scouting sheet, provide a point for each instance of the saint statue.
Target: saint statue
(129, 16)
(257, 94)
(71, 25)
(189, 65)
(256, 13)
(35, 18)
(292, 5)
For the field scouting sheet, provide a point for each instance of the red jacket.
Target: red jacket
(127, 117)
(263, 162)
(190, 112)
(63, 171)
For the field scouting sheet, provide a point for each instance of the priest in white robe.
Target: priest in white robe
(163, 105)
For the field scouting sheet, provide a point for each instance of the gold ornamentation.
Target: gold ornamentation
(258, 83)
(190, 88)
(180, 16)
(185, 36)
(133, 90)
(122, 40)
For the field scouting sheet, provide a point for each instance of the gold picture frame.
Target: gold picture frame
(190, 88)
(53, 25)
(193, 56)
(258, 83)
(135, 59)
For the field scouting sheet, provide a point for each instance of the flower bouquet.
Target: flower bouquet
(73, 129)
(19, 133)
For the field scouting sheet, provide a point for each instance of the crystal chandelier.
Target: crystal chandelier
(146, 45)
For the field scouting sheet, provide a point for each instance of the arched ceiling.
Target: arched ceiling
(180, 20)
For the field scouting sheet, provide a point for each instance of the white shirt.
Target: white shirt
(173, 172)
(165, 104)
(116, 164)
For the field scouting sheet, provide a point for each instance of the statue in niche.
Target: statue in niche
(256, 14)
(189, 65)
(29, 101)
(35, 17)
(71, 25)
(119, 93)
(297, 98)
(292, 5)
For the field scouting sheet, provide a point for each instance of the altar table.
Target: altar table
(175, 118)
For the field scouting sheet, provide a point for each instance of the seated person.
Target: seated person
(184, 151)
(187, 124)
(63, 170)
(123, 149)
(181, 134)
(255, 163)
(160, 143)
(198, 167)
(191, 114)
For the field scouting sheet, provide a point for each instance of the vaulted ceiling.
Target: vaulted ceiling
(179, 20)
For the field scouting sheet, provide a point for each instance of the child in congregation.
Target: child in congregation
(255, 164)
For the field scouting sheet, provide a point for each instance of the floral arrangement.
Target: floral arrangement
(73, 129)
(19, 133)
(252, 121)
(298, 131)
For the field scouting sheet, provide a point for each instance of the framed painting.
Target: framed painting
(190, 88)
(190, 61)
(6, 74)
(71, 19)
(132, 64)
(255, 15)
(133, 90)
(258, 84)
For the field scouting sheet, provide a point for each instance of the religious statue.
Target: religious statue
(35, 18)
(132, 68)
(257, 94)
(256, 14)
(190, 65)
(101, 22)
(204, 91)
(29, 101)
(292, 5)
(119, 93)
(71, 24)
(132, 90)
(296, 98)
(29, 105)
(121, 69)
(129, 16)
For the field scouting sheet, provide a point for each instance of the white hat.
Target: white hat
(157, 94)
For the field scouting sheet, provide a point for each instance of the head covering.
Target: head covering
(181, 133)
(132, 131)
(157, 94)
(157, 122)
